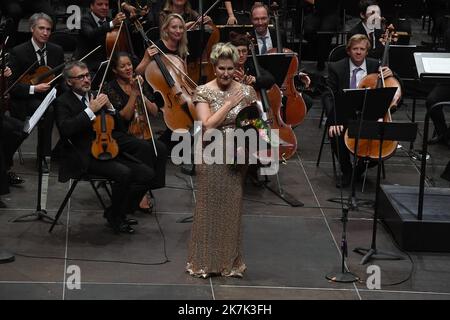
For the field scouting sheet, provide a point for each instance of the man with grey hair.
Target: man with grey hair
(75, 111)
(35, 53)
(15, 10)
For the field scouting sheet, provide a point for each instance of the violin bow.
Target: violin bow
(87, 55)
(109, 59)
(200, 17)
(146, 114)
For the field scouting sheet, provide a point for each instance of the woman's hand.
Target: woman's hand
(152, 51)
(234, 99)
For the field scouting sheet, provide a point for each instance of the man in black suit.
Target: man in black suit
(75, 111)
(266, 38)
(370, 26)
(94, 27)
(346, 74)
(25, 98)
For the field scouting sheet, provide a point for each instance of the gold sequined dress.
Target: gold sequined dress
(215, 244)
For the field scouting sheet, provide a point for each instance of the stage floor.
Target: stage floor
(288, 251)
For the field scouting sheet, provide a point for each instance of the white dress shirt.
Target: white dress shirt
(361, 74)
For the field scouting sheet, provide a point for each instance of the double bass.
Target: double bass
(271, 100)
(295, 107)
(368, 148)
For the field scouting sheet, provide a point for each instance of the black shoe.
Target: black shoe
(14, 179)
(124, 228)
(345, 182)
(130, 222)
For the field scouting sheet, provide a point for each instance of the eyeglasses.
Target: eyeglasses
(82, 76)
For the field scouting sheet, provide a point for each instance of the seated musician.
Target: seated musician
(267, 40)
(11, 136)
(245, 69)
(346, 74)
(124, 93)
(173, 41)
(370, 26)
(94, 28)
(38, 52)
(75, 112)
(184, 9)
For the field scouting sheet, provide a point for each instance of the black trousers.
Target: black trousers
(132, 178)
(440, 93)
(12, 136)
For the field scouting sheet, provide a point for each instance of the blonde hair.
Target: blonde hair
(357, 38)
(224, 51)
(182, 46)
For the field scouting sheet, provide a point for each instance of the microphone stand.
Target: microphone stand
(5, 256)
(344, 275)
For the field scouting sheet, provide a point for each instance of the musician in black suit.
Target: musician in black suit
(75, 111)
(266, 38)
(94, 27)
(346, 74)
(370, 26)
(25, 98)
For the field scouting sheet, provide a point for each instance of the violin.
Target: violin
(295, 107)
(140, 124)
(166, 75)
(271, 100)
(368, 148)
(104, 146)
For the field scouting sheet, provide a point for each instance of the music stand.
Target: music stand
(36, 120)
(238, 28)
(278, 65)
(382, 131)
(366, 104)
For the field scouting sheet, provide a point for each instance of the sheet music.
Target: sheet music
(436, 65)
(31, 123)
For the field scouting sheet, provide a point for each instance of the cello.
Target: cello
(295, 108)
(166, 75)
(271, 100)
(368, 148)
(119, 39)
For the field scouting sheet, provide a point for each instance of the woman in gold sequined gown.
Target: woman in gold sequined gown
(215, 244)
